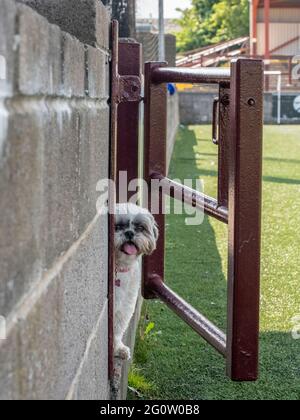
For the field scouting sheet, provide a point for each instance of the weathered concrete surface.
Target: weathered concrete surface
(21, 202)
(55, 323)
(97, 67)
(93, 158)
(171, 51)
(149, 42)
(87, 20)
(7, 40)
(52, 160)
(64, 318)
(54, 148)
(91, 382)
(172, 124)
(39, 70)
(73, 67)
(196, 108)
(9, 365)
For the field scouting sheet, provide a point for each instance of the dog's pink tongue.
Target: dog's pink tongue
(130, 249)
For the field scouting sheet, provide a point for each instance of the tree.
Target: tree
(208, 22)
(203, 8)
(231, 19)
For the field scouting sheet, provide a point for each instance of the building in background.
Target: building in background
(151, 25)
(275, 36)
(275, 28)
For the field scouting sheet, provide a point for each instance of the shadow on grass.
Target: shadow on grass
(278, 180)
(279, 160)
(273, 179)
(193, 262)
(179, 363)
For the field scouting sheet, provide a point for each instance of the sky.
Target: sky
(147, 7)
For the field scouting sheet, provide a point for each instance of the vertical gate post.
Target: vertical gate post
(245, 175)
(125, 99)
(112, 193)
(130, 60)
(224, 136)
(155, 162)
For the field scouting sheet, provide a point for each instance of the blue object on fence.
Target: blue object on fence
(171, 89)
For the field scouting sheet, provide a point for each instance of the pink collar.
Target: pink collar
(123, 270)
(120, 270)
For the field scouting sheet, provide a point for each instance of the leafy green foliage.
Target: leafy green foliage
(147, 337)
(208, 22)
(137, 383)
(150, 327)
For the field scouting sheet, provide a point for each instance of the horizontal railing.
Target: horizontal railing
(206, 329)
(194, 76)
(193, 198)
(239, 141)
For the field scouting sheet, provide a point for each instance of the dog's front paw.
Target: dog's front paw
(123, 352)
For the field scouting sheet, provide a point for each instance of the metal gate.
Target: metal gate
(238, 113)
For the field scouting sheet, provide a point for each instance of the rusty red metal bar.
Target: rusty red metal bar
(245, 175)
(192, 197)
(223, 146)
(213, 335)
(267, 28)
(284, 44)
(130, 60)
(239, 187)
(125, 98)
(185, 75)
(155, 162)
(112, 196)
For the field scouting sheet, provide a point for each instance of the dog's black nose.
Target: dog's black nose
(129, 235)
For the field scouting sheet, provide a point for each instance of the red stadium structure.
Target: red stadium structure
(274, 36)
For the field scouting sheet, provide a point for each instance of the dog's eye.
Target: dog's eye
(118, 228)
(140, 228)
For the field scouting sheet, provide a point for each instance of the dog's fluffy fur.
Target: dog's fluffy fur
(136, 234)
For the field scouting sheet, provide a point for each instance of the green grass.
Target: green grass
(179, 363)
(137, 383)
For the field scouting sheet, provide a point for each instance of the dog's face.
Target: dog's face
(136, 232)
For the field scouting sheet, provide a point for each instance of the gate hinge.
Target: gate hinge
(129, 89)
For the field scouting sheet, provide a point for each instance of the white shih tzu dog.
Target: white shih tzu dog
(136, 234)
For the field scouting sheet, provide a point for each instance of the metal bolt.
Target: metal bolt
(251, 102)
(225, 100)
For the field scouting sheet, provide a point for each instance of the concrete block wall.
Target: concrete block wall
(172, 124)
(196, 108)
(149, 41)
(171, 49)
(150, 45)
(54, 147)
